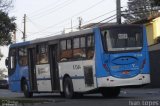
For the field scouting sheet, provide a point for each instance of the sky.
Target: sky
(51, 17)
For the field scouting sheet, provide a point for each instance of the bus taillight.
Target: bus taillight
(106, 67)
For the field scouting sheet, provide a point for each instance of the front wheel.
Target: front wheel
(26, 91)
(68, 88)
(110, 92)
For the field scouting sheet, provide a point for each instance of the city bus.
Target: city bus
(102, 59)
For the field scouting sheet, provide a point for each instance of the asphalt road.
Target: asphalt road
(128, 97)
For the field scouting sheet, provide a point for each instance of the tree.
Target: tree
(140, 9)
(7, 24)
(7, 27)
(5, 5)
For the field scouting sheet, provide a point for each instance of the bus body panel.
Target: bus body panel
(76, 71)
(15, 80)
(99, 55)
(43, 77)
(121, 69)
(19, 72)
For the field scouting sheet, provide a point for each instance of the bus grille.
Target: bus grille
(88, 75)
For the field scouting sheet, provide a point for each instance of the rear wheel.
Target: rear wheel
(110, 92)
(68, 88)
(62, 94)
(26, 91)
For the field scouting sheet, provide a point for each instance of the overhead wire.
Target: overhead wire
(85, 22)
(85, 10)
(44, 8)
(111, 18)
(33, 23)
(54, 9)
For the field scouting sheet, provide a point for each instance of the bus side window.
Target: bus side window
(66, 50)
(79, 47)
(83, 47)
(22, 56)
(42, 54)
(12, 59)
(90, 46)
(76, 48)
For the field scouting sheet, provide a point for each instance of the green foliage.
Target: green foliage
(7, 24)
(7, 27)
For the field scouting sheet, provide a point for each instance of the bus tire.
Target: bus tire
(26, 91)
(62, 94)
(110, 92)
(68, 88)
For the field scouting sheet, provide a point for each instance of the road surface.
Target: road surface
(127, 97)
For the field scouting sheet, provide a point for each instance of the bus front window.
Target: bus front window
(122, 39)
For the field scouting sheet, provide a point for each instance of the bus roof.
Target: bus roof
(60, 36)
(19, 44)
(70, 34)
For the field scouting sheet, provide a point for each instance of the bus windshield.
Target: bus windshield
(122, 39)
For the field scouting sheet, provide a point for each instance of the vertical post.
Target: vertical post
(71, 26)
(24, 33)
(118, 3)
(14, 36)
(80, 22)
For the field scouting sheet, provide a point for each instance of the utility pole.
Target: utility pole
(14, 36)
(71, 26)
(118, 3)
(24, 32)
(80, 22)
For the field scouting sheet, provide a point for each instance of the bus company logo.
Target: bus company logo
(133, 65)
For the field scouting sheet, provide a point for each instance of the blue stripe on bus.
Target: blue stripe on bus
(20, 44)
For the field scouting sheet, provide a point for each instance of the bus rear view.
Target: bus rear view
(124, 58)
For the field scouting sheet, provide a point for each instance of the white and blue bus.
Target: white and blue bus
(97, 60)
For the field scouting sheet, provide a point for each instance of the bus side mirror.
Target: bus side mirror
(6, 62)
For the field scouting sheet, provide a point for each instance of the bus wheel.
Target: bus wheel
(68, 88)
(110, 92)
(26, 92)
(62, 94)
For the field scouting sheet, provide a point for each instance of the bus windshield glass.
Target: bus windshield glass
(122, 39)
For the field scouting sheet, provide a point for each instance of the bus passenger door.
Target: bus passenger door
(32, 71)
(54, 67)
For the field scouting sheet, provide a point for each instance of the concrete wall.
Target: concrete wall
(149, 28)
(153, 30)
